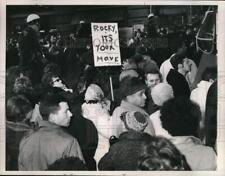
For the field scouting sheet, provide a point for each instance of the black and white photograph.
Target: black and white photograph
(114, 87)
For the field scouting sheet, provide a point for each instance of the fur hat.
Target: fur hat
(94, 92)
(130, 86)
(134, 120)
(161, 93)
(127, 73)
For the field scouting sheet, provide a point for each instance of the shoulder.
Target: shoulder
(204, 157)
(194, 92)
(118, 110)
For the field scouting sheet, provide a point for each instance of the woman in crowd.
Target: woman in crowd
(96, 108)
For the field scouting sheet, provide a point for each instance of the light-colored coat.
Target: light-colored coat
(43, 147)
(198, 156)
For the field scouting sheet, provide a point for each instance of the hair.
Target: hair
(180, 117)
(161, 154)
(22, 84)
(141, 151)
(209, 73)
(47, 79)
(50, 103)
(176, 60)
(17, 108)
(68, 163)
(53, 68)
(11, 74)
(137, 58)
(135, 135)
(154, 71)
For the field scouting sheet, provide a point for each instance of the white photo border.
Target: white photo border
(221, 84)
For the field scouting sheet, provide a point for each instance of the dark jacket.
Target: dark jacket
(87, 136)
(211, 115)
(179, 84)
(29, 47)
(31, 57)
(124, 154)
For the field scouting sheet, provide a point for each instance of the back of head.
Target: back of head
(161, 154)
(135, 135)
(161, 93)
(17, 108)
(124, 154)
(68, 163)
(50, 103)
(180, 117)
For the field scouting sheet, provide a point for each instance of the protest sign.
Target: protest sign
(105, 39)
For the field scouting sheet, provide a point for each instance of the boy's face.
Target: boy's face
(152, 80)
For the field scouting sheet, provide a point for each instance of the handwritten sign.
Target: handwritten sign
(105, 39)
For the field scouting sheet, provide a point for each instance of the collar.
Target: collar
(47, 124)
(205, 84)
(185, 140)
(132, 107)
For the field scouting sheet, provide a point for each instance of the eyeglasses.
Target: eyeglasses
(56, 80)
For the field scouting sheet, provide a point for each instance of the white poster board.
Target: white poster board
(105, 39)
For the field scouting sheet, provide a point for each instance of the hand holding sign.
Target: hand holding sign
(106, 48)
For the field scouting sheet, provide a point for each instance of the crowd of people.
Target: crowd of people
(61, 115)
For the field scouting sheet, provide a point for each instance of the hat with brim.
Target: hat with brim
(131, 85)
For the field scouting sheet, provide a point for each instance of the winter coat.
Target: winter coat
(45, 145)
(179, 84)
(86, 134)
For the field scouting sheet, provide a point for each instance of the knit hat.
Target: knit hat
(134, 120)
(94, 92)
(161, 93)
(129, 86)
